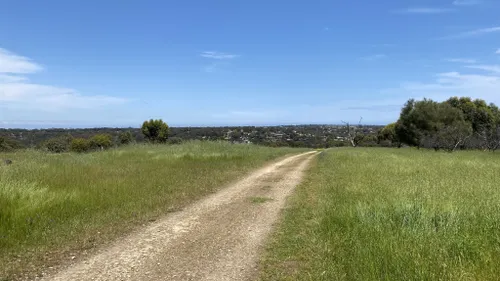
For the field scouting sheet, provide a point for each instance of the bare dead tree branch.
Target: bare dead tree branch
(353, 134)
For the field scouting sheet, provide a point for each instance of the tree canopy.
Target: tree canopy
(455, 123)
(155, 131)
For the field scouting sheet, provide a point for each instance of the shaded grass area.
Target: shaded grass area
(56, 206)
(391, 214)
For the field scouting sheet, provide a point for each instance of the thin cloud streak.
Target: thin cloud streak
(466, 2)
(210, 68)
(489, 68)
(473, 33)
(218, 55)
(374, 57)
(423, 10)
(462, 60)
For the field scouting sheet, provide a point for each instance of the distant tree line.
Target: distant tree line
(81, 140)
(457, 123)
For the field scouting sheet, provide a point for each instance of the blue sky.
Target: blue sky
(116, 63)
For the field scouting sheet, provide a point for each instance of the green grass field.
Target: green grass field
(391, 214)
(55, 206)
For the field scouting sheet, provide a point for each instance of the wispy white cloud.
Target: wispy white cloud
(7, 78)
(12, 63)
(50, 98)
(218, 59)
(497, 52)
(462, 60)
(473, 33)
(374, 57)
(16, 91)
(210, 68)
(484, 86)
(489, 68)
(423, 10)
(218, 55)
(466, 2)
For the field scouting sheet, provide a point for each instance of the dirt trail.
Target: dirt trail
(217, 238)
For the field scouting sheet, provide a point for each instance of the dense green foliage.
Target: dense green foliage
(7, 144)
(55, 205)
(101, 141)
(391, 214)
(156, 131)
(388, 137)
(126, 137)
(58, 144)
(80, 145)
(455, 123)
(68, 143)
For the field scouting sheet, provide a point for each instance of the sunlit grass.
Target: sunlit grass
(392, 214)
(53, 206)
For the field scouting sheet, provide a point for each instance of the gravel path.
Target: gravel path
(217, 238)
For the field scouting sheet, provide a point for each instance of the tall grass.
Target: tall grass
(392, 214)
(53, 206)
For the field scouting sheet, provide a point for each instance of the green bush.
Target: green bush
(101, 141)
(7, 144)
(57, 145)
(126, 137)
(156, 131)
(80, 145)
(3, 145)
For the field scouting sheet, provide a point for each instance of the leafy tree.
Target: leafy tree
(155, 131)
(388, 134)
(101, 141)
(126, 137)
(431, 124)
(5, 144)
(80, 145)
(484, 119)
(450, 137)
(58, 145)
(406, 128)
(369, 141)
